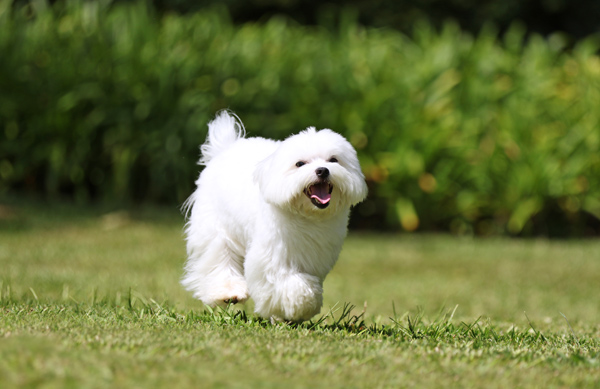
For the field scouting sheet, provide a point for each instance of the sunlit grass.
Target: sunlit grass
(91, 298)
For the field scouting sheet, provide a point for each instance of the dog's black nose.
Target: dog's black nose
(322, 172)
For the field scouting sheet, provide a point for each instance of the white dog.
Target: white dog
(268, 218)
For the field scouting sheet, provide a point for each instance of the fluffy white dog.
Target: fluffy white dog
(268, 218)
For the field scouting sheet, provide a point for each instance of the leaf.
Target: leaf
(406, 214)
(523, 213)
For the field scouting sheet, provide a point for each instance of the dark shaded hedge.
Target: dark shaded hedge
(576, 18)
(469, 134)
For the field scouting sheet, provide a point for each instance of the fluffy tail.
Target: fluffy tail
(222, 133)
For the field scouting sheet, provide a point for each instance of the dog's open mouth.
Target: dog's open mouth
(319, 194)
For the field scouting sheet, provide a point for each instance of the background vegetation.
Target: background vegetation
(488, 133)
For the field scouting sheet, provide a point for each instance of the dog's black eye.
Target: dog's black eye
(333, 160)
(300, 163)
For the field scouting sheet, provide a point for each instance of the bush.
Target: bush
(471, 134)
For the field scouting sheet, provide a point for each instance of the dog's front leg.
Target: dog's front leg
(279, 291)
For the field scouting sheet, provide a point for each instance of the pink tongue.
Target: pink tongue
(321, 193)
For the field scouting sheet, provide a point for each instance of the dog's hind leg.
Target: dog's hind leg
(215, 273)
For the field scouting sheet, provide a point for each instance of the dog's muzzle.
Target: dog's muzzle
(319, 192)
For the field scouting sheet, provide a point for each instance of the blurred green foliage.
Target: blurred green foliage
(481, 134)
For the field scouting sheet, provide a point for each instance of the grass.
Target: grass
(90, 298)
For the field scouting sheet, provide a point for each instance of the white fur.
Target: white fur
(252, 231)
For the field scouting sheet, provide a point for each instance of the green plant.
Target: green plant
(481, 134)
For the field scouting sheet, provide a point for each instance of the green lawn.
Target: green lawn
(91, 298)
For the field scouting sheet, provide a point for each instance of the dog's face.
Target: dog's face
(312, 173)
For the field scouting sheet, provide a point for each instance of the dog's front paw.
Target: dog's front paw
(295, 298)
(231, 292)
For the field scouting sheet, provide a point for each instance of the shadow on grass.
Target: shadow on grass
(23, 214)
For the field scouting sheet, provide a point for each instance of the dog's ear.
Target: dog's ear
(275, 186)
(263, 177)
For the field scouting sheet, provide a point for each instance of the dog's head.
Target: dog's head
(313, 172)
